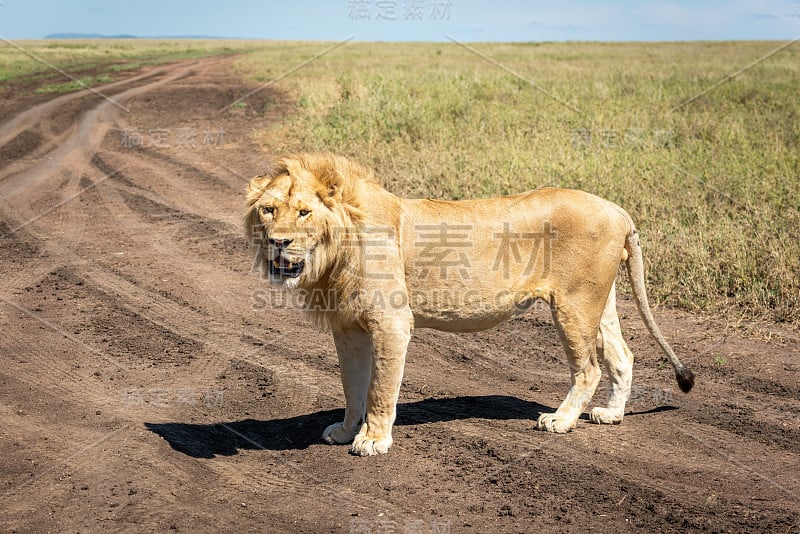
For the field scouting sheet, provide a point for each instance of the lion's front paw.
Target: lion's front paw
(363, 445)
(337, 434)
(551, 422)
(605, 416)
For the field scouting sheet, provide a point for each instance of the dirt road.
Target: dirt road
(151, 382)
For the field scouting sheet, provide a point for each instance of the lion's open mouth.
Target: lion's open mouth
(282, 267)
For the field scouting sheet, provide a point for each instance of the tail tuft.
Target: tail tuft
(635, 264)
(685, 378)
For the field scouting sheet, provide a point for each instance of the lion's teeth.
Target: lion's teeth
(282, 263)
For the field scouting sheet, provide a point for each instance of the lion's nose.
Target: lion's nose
(280, 243)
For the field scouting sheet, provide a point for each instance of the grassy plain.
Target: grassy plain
(713, 183)
(28, 61)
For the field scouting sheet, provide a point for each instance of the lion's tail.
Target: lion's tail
(635, 266)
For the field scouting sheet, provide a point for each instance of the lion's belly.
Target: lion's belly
(456, 323)
(471, 265)
(467, 310)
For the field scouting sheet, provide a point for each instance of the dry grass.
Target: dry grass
(713, 185)
(31, 60)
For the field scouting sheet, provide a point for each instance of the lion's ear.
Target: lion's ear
(255, 189)
(256, 186)
(332, 187)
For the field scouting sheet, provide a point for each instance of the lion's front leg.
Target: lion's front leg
(390, 339)
(354, 347)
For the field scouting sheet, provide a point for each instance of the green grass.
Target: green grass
(714, 185)
(75, 85)
(31, 60)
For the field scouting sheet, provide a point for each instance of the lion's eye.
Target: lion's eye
(267, 210)
(303, 213)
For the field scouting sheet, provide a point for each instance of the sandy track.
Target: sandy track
(148, 386)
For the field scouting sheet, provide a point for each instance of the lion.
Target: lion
(373, 266)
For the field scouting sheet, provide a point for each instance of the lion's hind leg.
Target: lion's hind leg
(618, 361)
(578, 331)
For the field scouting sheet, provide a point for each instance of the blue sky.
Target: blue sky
(410, 20)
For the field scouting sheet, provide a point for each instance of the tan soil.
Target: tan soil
(150, 384)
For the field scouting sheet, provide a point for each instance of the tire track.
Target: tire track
(36, 114)
(37, 366)
(81, 144)
(142, 264)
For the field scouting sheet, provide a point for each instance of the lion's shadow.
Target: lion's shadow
(225, 439)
